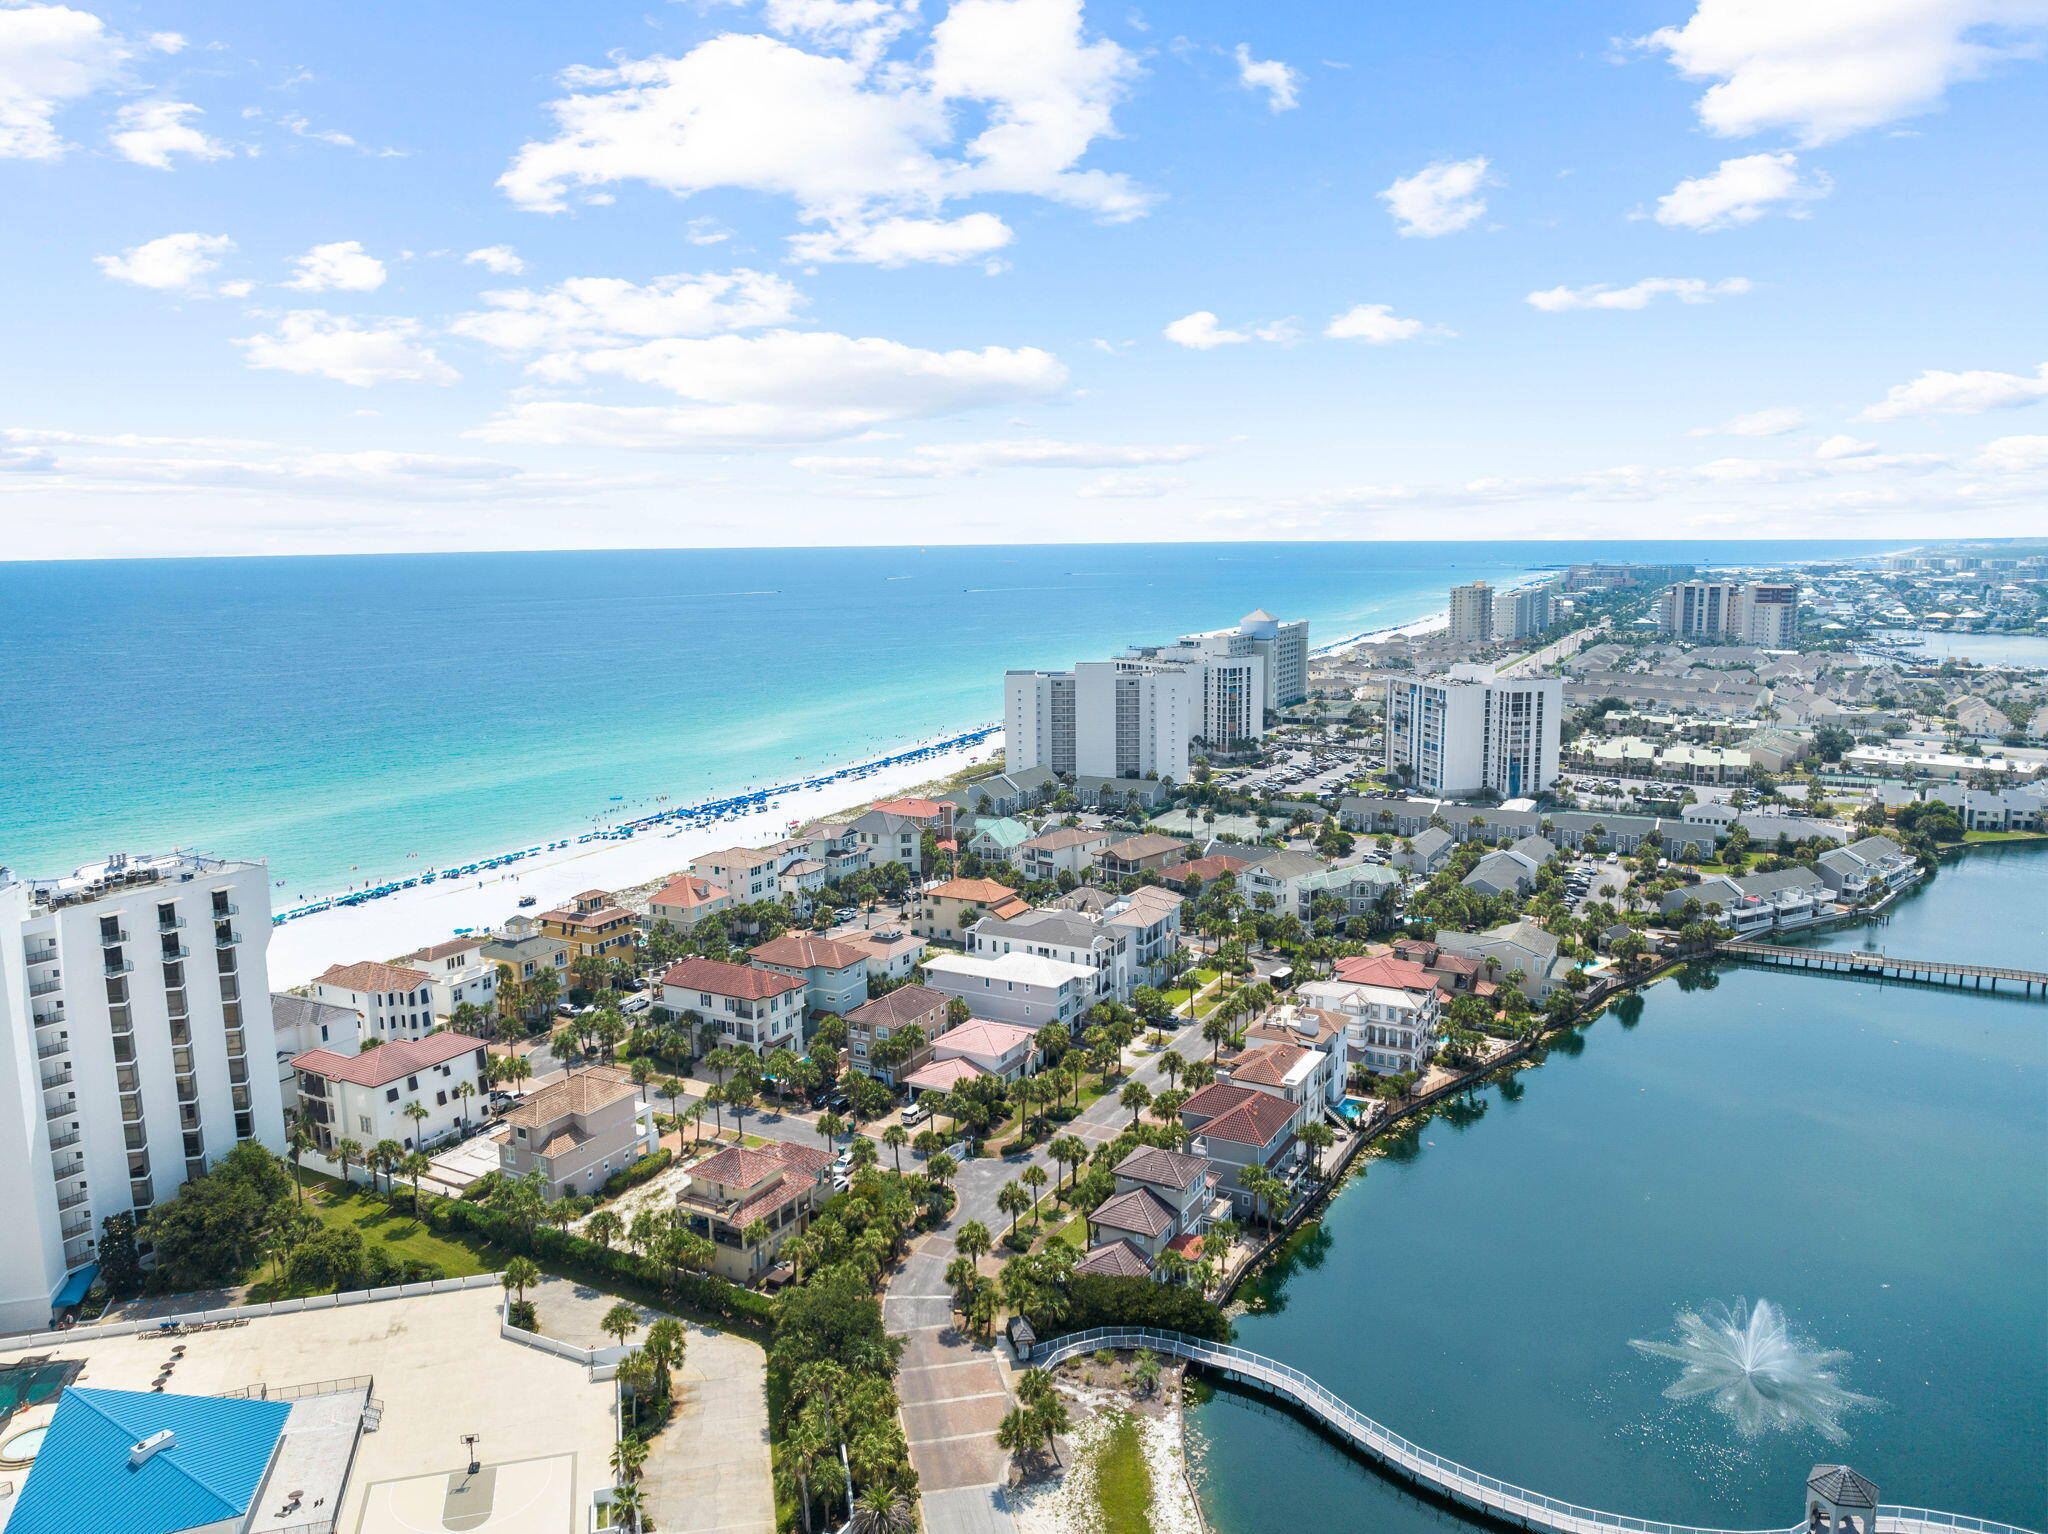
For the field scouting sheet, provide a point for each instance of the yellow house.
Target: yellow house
(591, 924)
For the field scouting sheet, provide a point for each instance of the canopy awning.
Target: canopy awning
(75, 1287)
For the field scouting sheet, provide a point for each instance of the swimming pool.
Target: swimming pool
(22, 1447)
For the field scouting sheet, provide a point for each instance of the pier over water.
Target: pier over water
(1496, 1499)
(1875, 965)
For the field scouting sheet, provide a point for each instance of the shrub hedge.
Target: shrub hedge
(632, 1176)
(1095, 1299)
(579, 1257)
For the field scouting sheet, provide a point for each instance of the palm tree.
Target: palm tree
(882, 1510)
(896, 1137)
(666, 1343)
(464, 1091)
(1171, 1064)
(972, 1240)
(1318, 1137)
(1135, 1096)
(1017, 1434)
(415, 1165)
(1071, 1152)
(620, 1322)
(629, 1455)
(417, 1112)
(345, 1152)
(299, 1139)
(385, 1155)
(1035, 1178)
(1013, 1200)
(520, 1274)
(604, 1228)
(627, 1505)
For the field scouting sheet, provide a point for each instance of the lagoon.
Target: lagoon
(1866, 1156)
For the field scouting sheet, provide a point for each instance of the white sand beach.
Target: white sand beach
(411, 919)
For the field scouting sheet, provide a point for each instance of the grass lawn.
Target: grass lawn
(1074, 1233)
(2005, 836)
(1123, 1485)
(385, 1229)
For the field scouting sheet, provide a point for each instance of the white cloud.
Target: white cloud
(1687, 290)
(1129, 486)
(1740, 191)
(1200, 331)
(50, 56)
(2012, 455)
(150, 132)
(324, 345)
(1842, 445)
(1374, 324)
(1939, 393)
(706, 231)
(1439, 199)
(1824, 69)
(502, 259)
(1774, 422)
(341, 265)
(851, 141)
(780, 386)
(900, 241)
(590, 311)
(863, 28)
(955, 458)
(1281, 82)
(169, 263)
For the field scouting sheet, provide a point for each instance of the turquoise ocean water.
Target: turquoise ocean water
(336, 714)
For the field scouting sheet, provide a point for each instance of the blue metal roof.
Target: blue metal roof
(210, 1473)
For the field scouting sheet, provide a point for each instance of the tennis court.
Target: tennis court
(531, 1496)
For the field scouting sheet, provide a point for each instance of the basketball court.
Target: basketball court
(529, 1496)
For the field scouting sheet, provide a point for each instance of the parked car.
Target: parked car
(915, 1114)
(527, 900)
(635, 1004)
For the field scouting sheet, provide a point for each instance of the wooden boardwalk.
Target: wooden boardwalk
(1496, 1499)
(1852, 961)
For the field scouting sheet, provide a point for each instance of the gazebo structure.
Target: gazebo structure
(1839, 1501)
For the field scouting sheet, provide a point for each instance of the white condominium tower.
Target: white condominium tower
(1150, 710)
(1521, 613)
(135, 1051)
(1471, 613)
(1474, 732)
(1764, 613)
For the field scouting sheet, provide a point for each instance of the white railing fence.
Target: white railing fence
(1446, 1477)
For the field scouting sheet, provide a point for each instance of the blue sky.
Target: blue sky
(300, 279)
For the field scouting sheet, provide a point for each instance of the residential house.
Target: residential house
(1152, 917)
(1513, 870)
(1277, 881)
(890, 838)
(892, 953)
(1867, 867)
(1063, 850)
(522, 948)
(1752, 903)
(1069, 936)
(686, 900)
(2005, 809)
(1160, 1196)
(1392, 1010)
(945, 911)
(1427, 851)
(878, 1019)
(1146, 853)
(1004, 793)
(1204, 870)
(1359, 889)
(593, 927)
(835, 975)
(1008, 1050)
(1015, 987)
(1311, 1079)
(997, 840)
(748, 1201)
(368, 1097)
(934, 815)
(757, 1009)
(459, 974)
(747, 874)
(391, 1001)
(300, 1023)
(577, 1131)
(1515, 945)
(1237, 1128)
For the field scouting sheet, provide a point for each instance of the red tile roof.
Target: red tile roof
(387, 1062)
(687, 890)
(1168, 1169)
(792, 1171)
(1242, 1115)
(915, 809)
(449, 949)
(943, 1075)
(1119, 1259)
(799, 950)
(1140, 1210)
(1268, 1065)
(1385, 969)
(971, 889)
(1214, 866)
(373, 976)
(723, 979)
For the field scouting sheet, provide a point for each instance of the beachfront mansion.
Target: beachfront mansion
(129, 994)
(1150, 710)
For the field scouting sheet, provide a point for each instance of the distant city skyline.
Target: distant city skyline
(836, 272)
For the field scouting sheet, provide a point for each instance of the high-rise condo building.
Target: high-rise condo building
(135, 1051)
(1471, 613)
(1764, 613)
(1474, 732)
(1150, 710)
(1518, 614)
